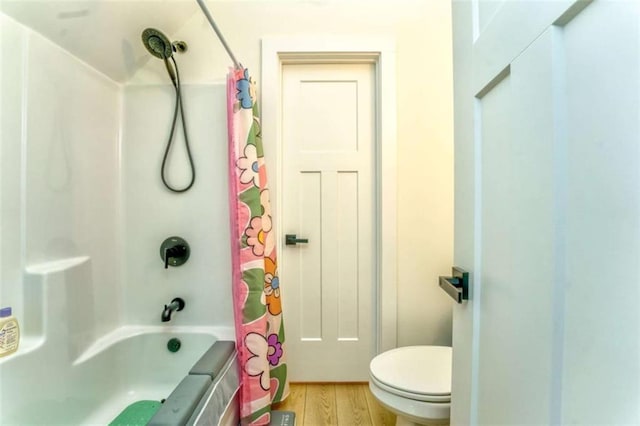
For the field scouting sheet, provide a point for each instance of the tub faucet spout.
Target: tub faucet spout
(176, 304)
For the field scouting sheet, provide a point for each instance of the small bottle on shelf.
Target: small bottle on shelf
(9, 332)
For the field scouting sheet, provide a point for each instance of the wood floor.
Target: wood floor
(341, 404)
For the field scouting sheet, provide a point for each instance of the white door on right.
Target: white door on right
(547, 158)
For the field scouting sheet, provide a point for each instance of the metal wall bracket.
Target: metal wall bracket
(456, 286)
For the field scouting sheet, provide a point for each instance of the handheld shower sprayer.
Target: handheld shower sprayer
(159, 46)
(157, 43)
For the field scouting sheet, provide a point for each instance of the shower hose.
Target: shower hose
(176, 84)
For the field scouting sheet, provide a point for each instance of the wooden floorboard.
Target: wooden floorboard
(295, 401)
(320, 406)
(335, 404)
(351, 405)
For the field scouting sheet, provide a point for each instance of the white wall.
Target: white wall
(152, 213)
(59, 153)
(422, 30)
(11, 247)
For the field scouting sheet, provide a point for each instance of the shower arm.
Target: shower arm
(205, 10)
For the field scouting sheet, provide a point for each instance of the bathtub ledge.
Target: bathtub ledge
(128, 331)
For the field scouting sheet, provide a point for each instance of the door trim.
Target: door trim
(379, 51)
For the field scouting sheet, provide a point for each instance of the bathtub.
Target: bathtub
(44, 386)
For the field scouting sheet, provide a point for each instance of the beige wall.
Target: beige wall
(422, 30)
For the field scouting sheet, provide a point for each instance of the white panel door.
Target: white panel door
(328, 125)
(547, 182)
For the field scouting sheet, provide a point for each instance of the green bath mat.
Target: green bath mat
(137, 414)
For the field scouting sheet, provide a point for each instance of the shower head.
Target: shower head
(157, 43)
(159, 46)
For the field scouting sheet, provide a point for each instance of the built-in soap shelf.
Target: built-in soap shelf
(48, 315)
(53, 266)
(457, 285)
(60, 308)
(27, 344)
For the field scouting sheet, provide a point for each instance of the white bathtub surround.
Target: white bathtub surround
(59, 169)
(152, 213)
(63, 263)
(67, 374)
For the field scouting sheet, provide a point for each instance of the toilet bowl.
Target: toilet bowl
(414, 382)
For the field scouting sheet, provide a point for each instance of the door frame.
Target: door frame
(381, 52)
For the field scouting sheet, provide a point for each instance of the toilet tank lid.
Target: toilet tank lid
(424, 370)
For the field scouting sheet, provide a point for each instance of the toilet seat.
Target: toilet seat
(410, 395)
(421, 373)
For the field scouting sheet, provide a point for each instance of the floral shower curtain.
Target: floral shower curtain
(256, 289)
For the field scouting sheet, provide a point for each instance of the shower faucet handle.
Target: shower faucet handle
(174, 251)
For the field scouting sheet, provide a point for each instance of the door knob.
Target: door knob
(456, 286)
(292, 240)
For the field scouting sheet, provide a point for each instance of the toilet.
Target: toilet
(414, 382)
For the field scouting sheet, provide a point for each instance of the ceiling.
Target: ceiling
(103, 33)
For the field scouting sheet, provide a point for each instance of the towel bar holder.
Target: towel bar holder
(456, 286)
